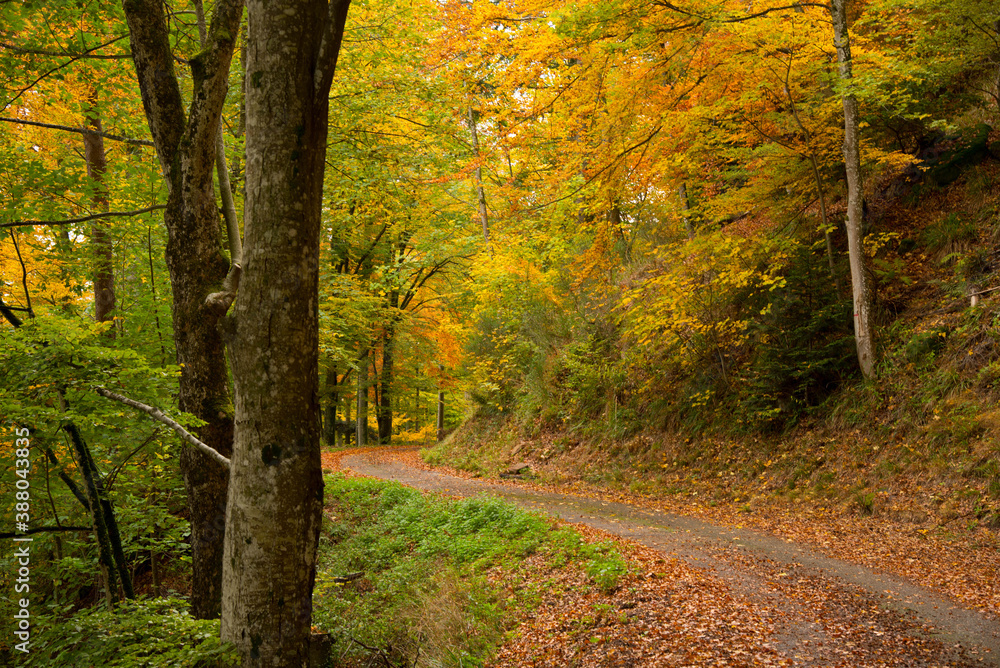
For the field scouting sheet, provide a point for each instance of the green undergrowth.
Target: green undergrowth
(421, 573)
(151, 633)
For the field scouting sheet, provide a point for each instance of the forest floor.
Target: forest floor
(726, 589)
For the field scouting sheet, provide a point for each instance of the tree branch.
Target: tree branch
(57, 68)
(64, 54)
(154, 66)
(329, 47)
(43, 530)
(158, 415)
(83, 219)
(81, 131)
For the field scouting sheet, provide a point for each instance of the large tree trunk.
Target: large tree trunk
(186, 147)
(276, 488)
(852, 158)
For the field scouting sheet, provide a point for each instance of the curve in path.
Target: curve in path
(746, 559)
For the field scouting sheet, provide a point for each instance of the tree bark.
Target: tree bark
(186, 147)
(386, 392)
(361, 435)
(111, 554)
(276, 489)
(440, 409)
(852, 159)
(480, 192)
(97, 165)
(330, 432)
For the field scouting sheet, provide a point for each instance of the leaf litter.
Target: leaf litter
(668, 612)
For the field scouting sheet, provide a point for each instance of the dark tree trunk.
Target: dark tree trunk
(386, 391)
(186, 147)
(361, 436)
(440, 410)
(276, 490)
(111, 554)
(330, 433)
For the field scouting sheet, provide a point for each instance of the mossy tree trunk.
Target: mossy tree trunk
(186, 147)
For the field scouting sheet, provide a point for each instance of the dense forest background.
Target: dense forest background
(594, 222)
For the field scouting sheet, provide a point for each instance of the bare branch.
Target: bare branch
(57, 68)
(80, 131)
(65, 54)
(45, 530)
(82, 219)
(158, 415)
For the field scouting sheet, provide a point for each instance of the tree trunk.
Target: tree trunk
(97, 165)
(276, 490)
(480, 193)
(682, 193)
(852, 159)
(186, 146)
(386, 381)
(330, 432)
(111, 554)
(386, 392)
(440, 410)
(361, 435)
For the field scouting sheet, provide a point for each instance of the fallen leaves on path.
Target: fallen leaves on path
(963, 570)
(667, 612)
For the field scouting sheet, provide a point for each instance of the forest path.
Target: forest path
(828, 611)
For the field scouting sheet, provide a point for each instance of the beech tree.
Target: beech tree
(276, 489)
(185, 141)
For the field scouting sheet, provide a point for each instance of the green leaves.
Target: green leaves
(143, 633)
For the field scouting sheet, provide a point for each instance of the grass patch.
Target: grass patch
(430, 565)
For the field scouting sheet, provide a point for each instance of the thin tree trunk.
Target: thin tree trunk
(416, 409)
(815, 170)
(221, 169)
(682, 192)
(361, 435)
(852, 158)
(386, 391)
(97, 165)
(480, 192)
(275, 500)
(109, 550)
(347, 414)
(330, 432)
(440, 409)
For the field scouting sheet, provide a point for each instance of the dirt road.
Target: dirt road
(830, 612)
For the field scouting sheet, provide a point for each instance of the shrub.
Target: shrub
(146, 632)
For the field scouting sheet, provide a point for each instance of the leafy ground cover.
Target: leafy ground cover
(145, 633)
